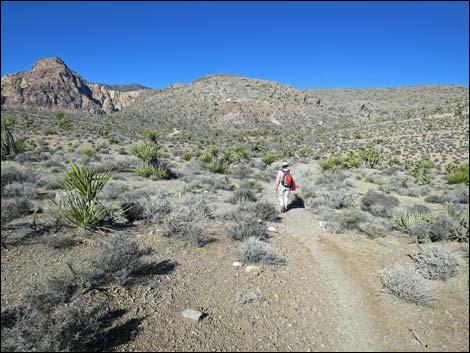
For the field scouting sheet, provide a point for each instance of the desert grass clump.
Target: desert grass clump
(407, 284)
(245, 226)
(379, 204)
(437, 263)
(253, 250)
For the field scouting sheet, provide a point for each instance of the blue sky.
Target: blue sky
(303, 44)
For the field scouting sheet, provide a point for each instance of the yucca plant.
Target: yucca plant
(404, 220)
(149, 152)
(10, 145)
(78, 201)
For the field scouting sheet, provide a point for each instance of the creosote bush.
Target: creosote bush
(252, 250)
(406, 283)
(245, 226)
(437, 263)
(379, 204)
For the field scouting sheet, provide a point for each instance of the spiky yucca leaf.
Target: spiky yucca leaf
(85, 180)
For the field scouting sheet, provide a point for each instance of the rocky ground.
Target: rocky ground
(327, 297)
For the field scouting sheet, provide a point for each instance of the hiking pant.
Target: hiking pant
(283, 196)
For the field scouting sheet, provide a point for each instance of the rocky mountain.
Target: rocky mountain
(51, 84)
(124, 88)
(225, 101)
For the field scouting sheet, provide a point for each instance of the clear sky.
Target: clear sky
(303, 44)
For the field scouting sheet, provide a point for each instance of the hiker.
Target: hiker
(284, 185)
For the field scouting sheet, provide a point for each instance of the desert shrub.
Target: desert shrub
(351, 218)
(434, 199)
(338, 198)
(374, 228)
(436, 262)
(421, 230)
(419, 209)
(15, 208)
(52, 291)
(241, 172)
(371, 156)
(441, 229)
(457, 196)
(245, 226)
(191, 207)
(209, 182)
(407, 284)
(10, 174)
(116, 261)
(268, 158)
(116, 163)
(253, 250)
(458, 174)
(146, 204)
(190, 233)
(88, 152)
(460, 216)
(114, 189)
(243, 193)
(27, 190)
(337, 162)
(378, 203)
(74, 328)
(420, 171)
(264, 210)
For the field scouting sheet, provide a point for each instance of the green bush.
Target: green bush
(420, 171)
(62, 122)
(458, 174)
(371, 156)
(268, 158)
(89, 152)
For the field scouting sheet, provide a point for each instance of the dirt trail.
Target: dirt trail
(352, 325)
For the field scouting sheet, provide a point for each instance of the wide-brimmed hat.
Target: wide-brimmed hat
(284, 164)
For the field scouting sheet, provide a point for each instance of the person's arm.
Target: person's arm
(278, 180)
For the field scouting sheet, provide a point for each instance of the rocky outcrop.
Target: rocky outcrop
(51, 84)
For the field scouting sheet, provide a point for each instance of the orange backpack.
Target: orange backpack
(287, 179)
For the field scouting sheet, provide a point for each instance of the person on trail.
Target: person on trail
(284, 185)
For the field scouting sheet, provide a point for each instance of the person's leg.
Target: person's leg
(286, 199)
(281, 197)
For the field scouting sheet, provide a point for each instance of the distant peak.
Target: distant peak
(44, 63)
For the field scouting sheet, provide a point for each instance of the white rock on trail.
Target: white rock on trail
(192, 314)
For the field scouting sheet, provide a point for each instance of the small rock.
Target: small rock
(272, 229)
(237, 264)
(253, 269)
(192, 314)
